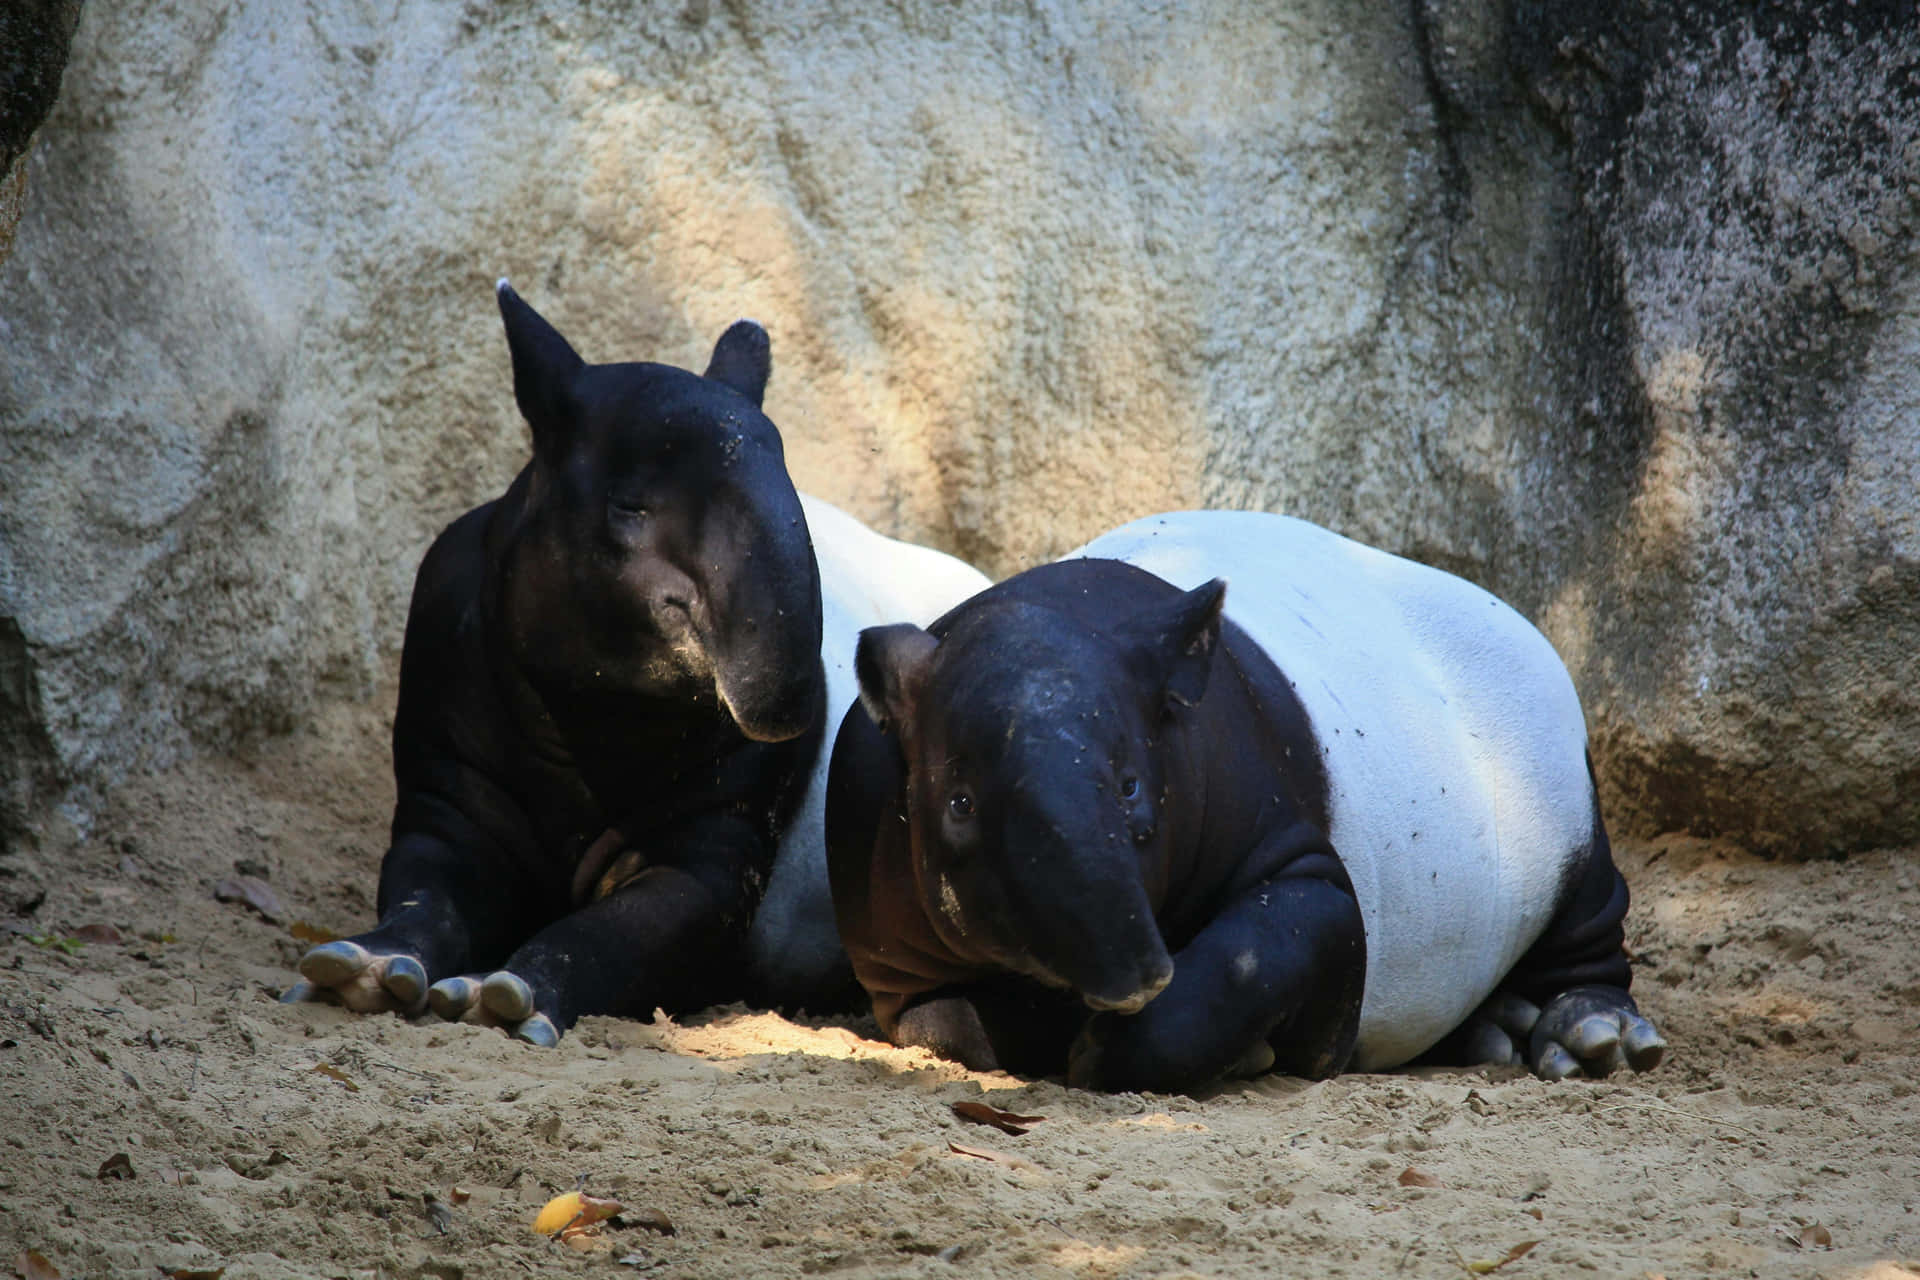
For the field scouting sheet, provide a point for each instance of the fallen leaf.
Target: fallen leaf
(311, 932)
(1412, 1177)
(118, 1165)
(652, 1219)
(988, 1153)
(1513, 1255)
(33, 1265)
(1004, 1121)
(459, 1195)
(253, 892)
(1536, 1215)
(334, 1073)
(573, 1211)
(104, 934)
(193, 1273)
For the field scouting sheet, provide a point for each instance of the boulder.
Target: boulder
(1611, 312)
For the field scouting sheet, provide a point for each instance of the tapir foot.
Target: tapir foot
(1594, 1031)
(501, 999)
(346, 973)
(1496, 1034)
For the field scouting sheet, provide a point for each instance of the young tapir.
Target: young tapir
(1084, 821)
(613, 711)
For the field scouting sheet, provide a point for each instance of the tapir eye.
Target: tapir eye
(960, 805)
(1129, 787)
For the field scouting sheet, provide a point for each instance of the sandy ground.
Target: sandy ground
(303, 1141)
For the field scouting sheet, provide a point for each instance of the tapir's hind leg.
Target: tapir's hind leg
(1577, 974)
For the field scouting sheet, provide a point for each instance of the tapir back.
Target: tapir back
(1453, 743)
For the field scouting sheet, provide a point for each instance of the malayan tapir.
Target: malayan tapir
(610, 743)
(1085, 821)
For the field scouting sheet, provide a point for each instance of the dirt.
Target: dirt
(1779, 1138)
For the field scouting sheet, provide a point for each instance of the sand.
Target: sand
(1780, 1138)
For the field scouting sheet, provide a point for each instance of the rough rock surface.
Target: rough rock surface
(1612, 312)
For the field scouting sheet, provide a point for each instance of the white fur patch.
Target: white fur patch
(1453, 742)
(866, 580)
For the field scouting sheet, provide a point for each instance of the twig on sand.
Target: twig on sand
(1651, 1105)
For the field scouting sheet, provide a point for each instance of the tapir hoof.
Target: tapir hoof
(450, 998)
(1497, 1032)
(1593, 1031)
(363, 981)
(507, 997)
(501, 999)
(538, 1030)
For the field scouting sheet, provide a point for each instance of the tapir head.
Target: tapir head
(661, 548)
(1038, 782)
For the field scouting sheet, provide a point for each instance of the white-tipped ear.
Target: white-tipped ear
(891, 664)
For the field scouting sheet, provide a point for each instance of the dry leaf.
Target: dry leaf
(311, 932)
(459, 1195)
(573, 1212)
(1514, 1254)
(33, 1265)
(1412, 1177)
(104, 934)
(252, 891)
(334, 1073)
(193, 1273)
(988, 1153)
(1536, 1215)
(651, 1219)
(1004, 1121)
(118, 1165)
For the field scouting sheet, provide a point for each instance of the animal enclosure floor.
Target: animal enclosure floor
(275, 1141)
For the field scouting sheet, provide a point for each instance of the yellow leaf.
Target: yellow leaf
(573, 1210)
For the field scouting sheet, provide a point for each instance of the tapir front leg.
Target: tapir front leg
(669, 937)
(1283, 964)
(443, 910)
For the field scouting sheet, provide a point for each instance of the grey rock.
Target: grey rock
(1610, 308)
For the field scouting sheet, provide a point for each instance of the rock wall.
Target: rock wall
(1612, 314)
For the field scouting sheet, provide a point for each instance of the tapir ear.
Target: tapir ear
(1176, 642)
(544, 367)
(891, 664)
(743, 360)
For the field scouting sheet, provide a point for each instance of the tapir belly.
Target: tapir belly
(1452, 742)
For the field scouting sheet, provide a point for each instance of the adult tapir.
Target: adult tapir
(1086, 821)
(614, 693)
